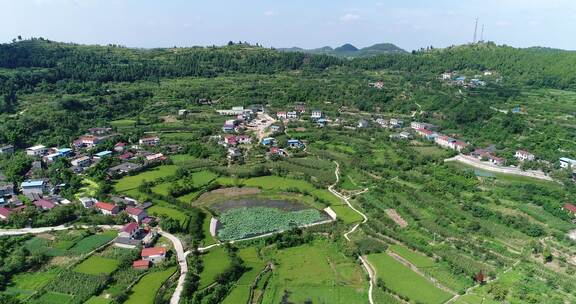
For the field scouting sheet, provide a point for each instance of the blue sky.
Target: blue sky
(313, 23)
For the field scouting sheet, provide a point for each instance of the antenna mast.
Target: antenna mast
(482, 34)
(475, 31)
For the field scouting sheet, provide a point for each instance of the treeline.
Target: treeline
(106, 64)
(538, 67)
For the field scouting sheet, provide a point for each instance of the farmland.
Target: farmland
(330, 276)
(97, 265)
(245, 222)
(405, 282)
(145, 290)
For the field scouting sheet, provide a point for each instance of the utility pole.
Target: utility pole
(475, 31)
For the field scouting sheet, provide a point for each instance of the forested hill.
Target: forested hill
(110, 63)
(538, 67)
(30, 62)
(349, 51)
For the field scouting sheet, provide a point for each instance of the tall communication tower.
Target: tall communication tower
(475, 31)
(482, 34)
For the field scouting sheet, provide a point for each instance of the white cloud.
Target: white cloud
(349, 17)
(270, 13)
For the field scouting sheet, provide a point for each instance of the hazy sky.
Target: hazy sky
(312, 23)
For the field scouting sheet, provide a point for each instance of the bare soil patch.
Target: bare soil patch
(396, 218)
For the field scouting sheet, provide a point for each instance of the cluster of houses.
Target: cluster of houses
(379, 85)
(272, 143)
(392, 123)
(428, 131)
(455, 79)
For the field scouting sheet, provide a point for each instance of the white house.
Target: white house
(83, 161)
(281, 115)
(292, 115)
(566, 163)
(316, 114)
(522, 155)
(37, 150)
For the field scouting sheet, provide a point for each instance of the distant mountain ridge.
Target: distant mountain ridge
(350, 51)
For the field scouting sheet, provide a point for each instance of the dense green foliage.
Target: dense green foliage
(245, 222)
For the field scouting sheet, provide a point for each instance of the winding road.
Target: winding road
(364, 261)
(181, 255)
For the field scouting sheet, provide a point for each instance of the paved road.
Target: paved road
(472, 161)
(364, 261)
(175, 299)
(6, 232)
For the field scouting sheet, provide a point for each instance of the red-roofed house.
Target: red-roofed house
(107, 208)
(136, 213)
(4, 213)
(570, 208)
(230, 140)
(44, 204)
(141, 264)
(155, 157)
(129, 230)
(281, 115)
(154, 254)
(443, 141)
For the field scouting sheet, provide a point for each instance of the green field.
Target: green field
(25, 284)
(157, 210)
(346, 214)
(318, 272)
(215, 262)
(132, 182)
(419, 260)
(92, 242)
(144, 292)
(54, 298)
(97, 265)
(406, 282)
(241, 291)
(98, 300)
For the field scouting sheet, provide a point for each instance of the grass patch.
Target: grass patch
(346, 214)
(317, 272)
(241, 291)
(98, 300)
(157, 210)
(144, 292)
(23, 285)
(97, 265)
(406, 282)
(132, 182)
(215, 262)
(92, 242)
(54, 298)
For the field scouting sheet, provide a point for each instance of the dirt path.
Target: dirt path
(346, 200)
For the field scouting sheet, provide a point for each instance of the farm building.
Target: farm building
(107, 208)
(37, 150)
(141, 264)
(154, 254)
(136, 213)
(29, 188)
